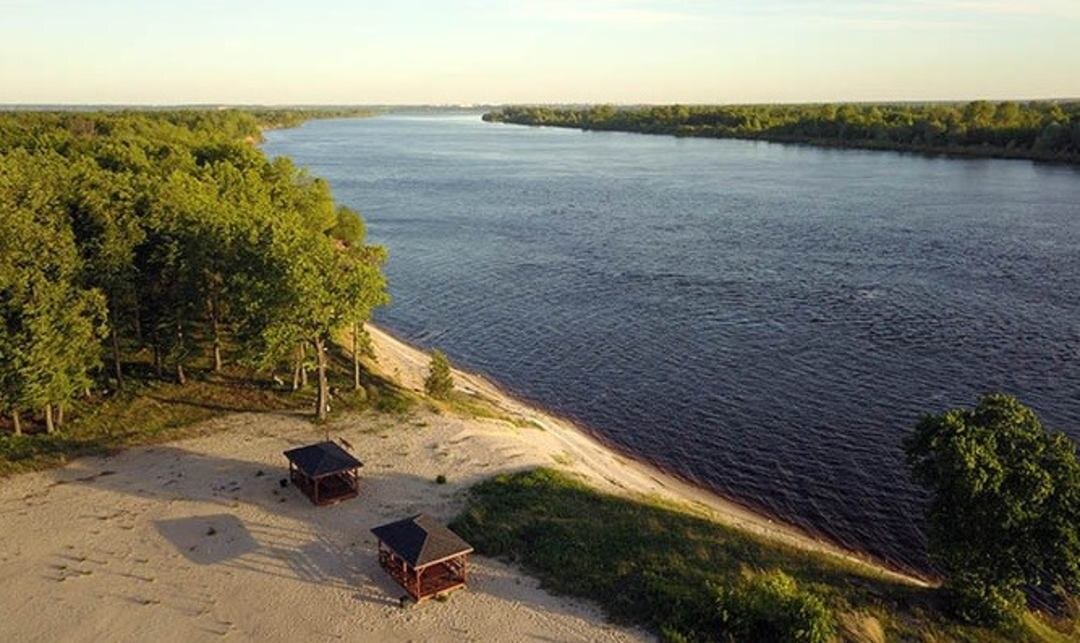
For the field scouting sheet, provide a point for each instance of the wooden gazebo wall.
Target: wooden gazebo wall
(310, 485)
(441, 575)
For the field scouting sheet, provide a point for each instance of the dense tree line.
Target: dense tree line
(1037, 130)
(172, 233)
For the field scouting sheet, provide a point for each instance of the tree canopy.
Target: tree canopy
(1043, 130)
(165, 231)
(1005, 508)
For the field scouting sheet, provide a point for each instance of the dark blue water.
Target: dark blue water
(766, 320)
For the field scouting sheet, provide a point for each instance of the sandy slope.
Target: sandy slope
(196, 539)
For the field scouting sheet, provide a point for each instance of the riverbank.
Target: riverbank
(606, 467)
(195, 539)
(1035, 131)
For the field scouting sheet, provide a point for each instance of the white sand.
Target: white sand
(120, 548)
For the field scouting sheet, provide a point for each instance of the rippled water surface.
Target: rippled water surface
(767, 320)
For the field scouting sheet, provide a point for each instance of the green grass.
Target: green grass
(150, 410)
(145, 412)
(651, 564)
(478, 407)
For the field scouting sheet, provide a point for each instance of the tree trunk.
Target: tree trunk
(303, 366)
(355, 356)
(116, 359)
(158, 366)
(180, 378)
(137, 322)
(17, 421)
(322, 398)
(298, 364)
(59, 416)
(49, 428)
(215, 328)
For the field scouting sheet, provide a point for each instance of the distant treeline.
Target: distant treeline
(166, 232)
(1040, 130)
(282, 118)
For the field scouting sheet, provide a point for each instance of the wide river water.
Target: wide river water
(766, 320)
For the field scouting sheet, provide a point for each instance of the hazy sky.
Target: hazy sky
(468, 51)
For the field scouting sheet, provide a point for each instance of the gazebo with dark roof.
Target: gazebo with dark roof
(325, 472)
(423, 556)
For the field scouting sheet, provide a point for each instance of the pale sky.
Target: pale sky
(486, 51)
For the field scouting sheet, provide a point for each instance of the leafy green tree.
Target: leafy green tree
(52, 326)
(362, 285)
(103, 208)
(439, 383)
(1005, 504)
(178, 231)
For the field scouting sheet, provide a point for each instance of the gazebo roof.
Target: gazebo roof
(421, 540)
(324, 458)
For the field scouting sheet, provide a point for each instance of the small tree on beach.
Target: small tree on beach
(439, 382)
(1005, 506)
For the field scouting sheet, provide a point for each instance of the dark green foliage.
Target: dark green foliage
(1005, 508)
(167, 231)
(1036, 130)
(772, 607)
(439, 383)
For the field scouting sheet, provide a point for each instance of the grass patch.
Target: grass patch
(150, 410)
(476, 407)
(144, 412)
(689, 578)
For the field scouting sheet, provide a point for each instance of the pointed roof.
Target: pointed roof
(322, 459)
(421, 540)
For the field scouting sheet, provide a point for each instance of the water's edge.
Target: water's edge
(727, 509)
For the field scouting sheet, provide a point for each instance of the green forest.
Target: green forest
(166, 234)
(1040, 130)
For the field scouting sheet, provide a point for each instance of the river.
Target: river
(766, 320)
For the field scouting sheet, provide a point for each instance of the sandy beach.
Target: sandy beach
(196, 539)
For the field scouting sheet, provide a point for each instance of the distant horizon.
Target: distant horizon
(477, 105)
(451, 52)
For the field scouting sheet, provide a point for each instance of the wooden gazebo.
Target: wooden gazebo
(423, 556)
(325, 472)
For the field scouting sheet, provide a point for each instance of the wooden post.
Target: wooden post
(356, 356)
(118, 371)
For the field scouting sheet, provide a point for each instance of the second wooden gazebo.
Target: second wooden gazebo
(423, 556)
(325, 472)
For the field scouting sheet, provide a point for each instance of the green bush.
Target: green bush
(439, 383)
(1004, 510)
(772, 607)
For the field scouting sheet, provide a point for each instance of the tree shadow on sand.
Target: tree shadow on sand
(243, 530)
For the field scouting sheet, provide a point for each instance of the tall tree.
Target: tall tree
(53, 325)
(1005, 504)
